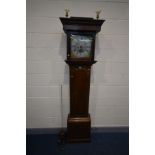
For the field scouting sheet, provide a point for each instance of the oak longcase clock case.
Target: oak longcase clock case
(81, 34)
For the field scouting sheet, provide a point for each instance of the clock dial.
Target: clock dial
(81, 46)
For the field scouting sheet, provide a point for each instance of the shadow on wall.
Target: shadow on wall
(63, 52)
(93, 90)
(65, 82)
(63, 45)
(98, 71)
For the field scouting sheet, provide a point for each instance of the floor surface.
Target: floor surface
(101, 144)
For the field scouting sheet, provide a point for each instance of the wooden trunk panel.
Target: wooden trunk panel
(79, 91)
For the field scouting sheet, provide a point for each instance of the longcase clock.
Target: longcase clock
(81, 34)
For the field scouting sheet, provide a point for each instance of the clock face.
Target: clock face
(81, 46)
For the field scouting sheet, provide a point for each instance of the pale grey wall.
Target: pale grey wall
(46, 69)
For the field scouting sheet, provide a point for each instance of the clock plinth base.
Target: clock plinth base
(78, 129)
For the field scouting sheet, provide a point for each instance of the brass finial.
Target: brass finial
(98, 14)
(66, 12)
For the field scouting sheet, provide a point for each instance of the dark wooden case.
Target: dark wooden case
(79, 121)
